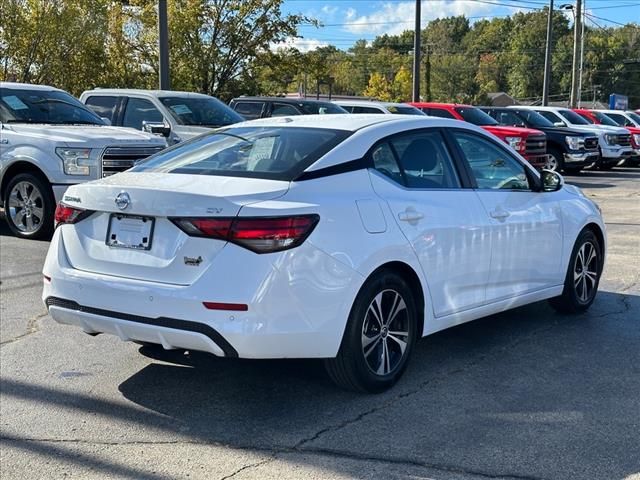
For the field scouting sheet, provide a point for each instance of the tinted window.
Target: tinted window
(475, 115)
(280, 153)
(573, 117)
(103, 106)
(42, 106)
(438, 112)
(364, 110)
(491, 166)
(200, 111)
(552, 117)
(315, 108)
(402, 110)
(635, 117)
(249, 110)
(425, 161)
(606, 119)
(620, 120)
(533, 119)
(283, 110)
(140, 110)
(506, 117)
(587, 119)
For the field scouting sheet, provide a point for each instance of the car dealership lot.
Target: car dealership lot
(525, 394)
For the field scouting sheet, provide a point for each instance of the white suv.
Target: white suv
(614, 142)
(50, 141)
(176, 115)
(386, 108)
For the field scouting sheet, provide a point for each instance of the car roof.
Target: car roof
(341, 121)
(28, 86)
(281, 99)
(438, 104)
(368, 103)
(141, 91)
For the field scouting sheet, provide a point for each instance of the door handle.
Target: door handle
(499, 214)
(410, 216)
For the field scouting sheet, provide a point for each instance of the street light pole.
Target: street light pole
(163, 46)
(416, 55)
(577, 41)
(547, 57)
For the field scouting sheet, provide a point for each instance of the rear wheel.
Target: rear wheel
(379, 336)
(29, 206)
(583, 275)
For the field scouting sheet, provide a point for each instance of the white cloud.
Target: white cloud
(302, 44)
(394, 18)
(329, 10)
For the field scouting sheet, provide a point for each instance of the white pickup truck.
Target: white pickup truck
(50, 141)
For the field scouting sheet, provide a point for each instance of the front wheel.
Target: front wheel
(583, 275)
(29, 206)
(555, 160)
(379, 336)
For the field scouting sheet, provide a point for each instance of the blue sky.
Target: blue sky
(349, 20)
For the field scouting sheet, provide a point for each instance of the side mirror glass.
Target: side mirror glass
(106, 121)
(551, 181)
(559, 124)
(156, 128)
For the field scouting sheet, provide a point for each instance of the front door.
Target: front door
(445, 223)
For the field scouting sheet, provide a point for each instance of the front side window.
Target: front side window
(283, 110)
(249, 110)
(404, 110)
(506, 117)
(439, 112)
(533, 119)
(321, 108)
(140, 110)
(200, 111)
(424, 160)
(278, 153)
(51, 107)
(103, 106)
(491, 166)
(552, 117)
(605, 119)
(476, 116)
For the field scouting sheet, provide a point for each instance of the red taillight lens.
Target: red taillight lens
(66, 214)
(258, 234)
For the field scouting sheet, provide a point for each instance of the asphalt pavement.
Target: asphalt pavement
(526, 394)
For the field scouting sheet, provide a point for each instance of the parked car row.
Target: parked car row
(50, 140)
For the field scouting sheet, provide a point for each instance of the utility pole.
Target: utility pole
(547, 58)
(427, 73)
(163, 45)
(416, 55)
(583, 19)
(577, 41)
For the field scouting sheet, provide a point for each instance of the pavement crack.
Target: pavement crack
(33, 326)
(251, 465)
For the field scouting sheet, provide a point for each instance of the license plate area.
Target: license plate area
(129, 231)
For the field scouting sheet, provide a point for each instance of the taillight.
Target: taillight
(66, 214)
(258, 234)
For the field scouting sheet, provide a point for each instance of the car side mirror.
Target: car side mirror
(559, 124)
(156, 128)
(106, 121)
(552, 181)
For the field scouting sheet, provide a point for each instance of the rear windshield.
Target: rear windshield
(52, 107)
(315, 108)
(404, 110)
(476, 116)
(277, 153)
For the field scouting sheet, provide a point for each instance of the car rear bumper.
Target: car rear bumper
(291, 312)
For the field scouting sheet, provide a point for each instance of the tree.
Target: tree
(379, 88)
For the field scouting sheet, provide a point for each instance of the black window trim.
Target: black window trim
(535, 183)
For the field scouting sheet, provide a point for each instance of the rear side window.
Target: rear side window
(249, 110)
(140, 110)
(278, 153)
(283, 110)
(103, 106)
(437, 112)
(364, 109)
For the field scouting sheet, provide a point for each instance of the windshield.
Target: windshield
(404, 110)
(278, 153)
(604, 119)
(44, 106)
(533, 119)
(635, 117)
(573, 117)
(319, 108)
(476, 116)
(200, 111)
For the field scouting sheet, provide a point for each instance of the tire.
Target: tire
(29, 206)
(607, 166)
(572, 170)
(578, 294)
(361, 364)
(556, 162)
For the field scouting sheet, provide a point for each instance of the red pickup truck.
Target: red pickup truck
(530, 143)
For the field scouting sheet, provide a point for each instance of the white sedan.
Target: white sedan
(338, 237)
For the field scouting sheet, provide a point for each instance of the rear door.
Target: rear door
(140, 110)
(445, 223)
(525, 226)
